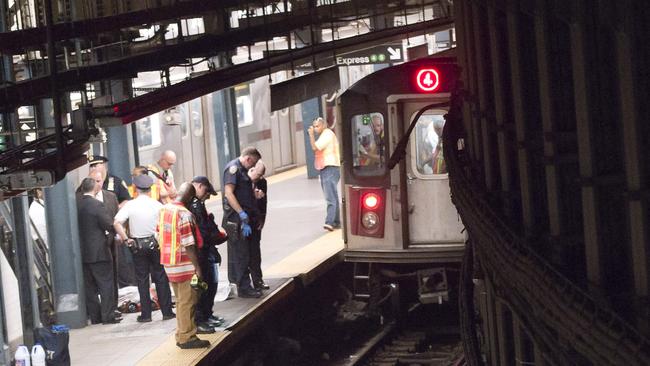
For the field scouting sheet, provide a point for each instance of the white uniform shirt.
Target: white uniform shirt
(142, 213)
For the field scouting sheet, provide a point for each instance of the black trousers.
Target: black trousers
(255, 264)
(238, 259)
(98, 280)
(147, 262)
(205, 303)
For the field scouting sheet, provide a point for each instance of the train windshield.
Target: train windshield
(429, 159)
(368, 142)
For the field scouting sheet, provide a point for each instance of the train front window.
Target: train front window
(368, 144)
(428, 156)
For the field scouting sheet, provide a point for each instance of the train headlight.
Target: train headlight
(370, 220)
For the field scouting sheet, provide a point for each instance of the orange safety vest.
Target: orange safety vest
(169, 237)
(158, 186)
(154, 191)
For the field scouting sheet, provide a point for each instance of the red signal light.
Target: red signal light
(370, 201)
(427, 80)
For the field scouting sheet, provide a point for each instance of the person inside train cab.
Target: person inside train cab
(371, 152)
(239, 213)
(161, 172)
(112, 183)
(209, 257)
(327, 161)
(260, 187)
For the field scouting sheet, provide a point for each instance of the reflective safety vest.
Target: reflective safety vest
(158, 186)
(171, 238)
(155, 191)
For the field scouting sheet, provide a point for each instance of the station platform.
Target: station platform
(294, 248)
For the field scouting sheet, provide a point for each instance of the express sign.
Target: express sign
(427, 79)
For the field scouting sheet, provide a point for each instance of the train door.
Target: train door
(282, 138)
(193, 141)
(433, 219)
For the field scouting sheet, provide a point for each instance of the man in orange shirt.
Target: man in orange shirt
(179, 243)
(327, 161)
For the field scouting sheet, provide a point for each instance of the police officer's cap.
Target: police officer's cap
(143, 181)
(97, 159)
(201, 179)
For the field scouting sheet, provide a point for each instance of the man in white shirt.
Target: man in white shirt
(142, 214)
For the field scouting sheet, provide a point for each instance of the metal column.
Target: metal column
(65, 252)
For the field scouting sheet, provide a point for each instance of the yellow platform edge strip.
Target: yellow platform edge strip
(299, 262)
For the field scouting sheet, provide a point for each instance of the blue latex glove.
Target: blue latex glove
(246, 230)
(243, 216)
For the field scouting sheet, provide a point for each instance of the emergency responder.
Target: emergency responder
(209, 257)
(112, 183)
(239, 211)
(142, 213)
(180, 242)
(161, 172)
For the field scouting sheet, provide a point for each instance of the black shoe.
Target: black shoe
(143, 320)
(255, 294)
(215, 321)
(194, 343)
(95, 322)
(204, 329)
(170, 316)
(113, 321)
(262, 286)
(117, 314)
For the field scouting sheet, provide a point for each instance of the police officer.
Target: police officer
(208, 255)
(112, 183)
(142, 214)
(239, 211)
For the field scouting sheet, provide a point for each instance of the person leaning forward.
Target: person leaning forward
(239, 212)
(179, 243)
(94, 223)
(142, 213)
(209, 257)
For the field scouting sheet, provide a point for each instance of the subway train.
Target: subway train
(189, 129)
(399, 220)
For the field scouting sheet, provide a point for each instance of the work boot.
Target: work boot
(194, 343)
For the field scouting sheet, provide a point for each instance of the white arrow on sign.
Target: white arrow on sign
(395, 54)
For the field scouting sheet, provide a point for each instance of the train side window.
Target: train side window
(428, 157)
(244, 105)
(182, 110)
(148, 131)
(196, 117)
(368, 142)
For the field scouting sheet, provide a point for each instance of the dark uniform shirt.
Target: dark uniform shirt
(262, 202)
(237, 175)
(118, 186)
(207, 227)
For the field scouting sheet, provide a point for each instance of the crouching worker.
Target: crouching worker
(209, 257)
(142, 215)
(179, 254)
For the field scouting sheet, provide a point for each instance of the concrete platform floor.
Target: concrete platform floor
(296, 213)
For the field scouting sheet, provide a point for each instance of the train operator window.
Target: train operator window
(368, 141)
(428, 157)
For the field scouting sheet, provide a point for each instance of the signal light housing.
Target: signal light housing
(367, 211)
(427, 79)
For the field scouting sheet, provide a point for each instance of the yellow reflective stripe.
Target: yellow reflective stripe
(172, 260)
